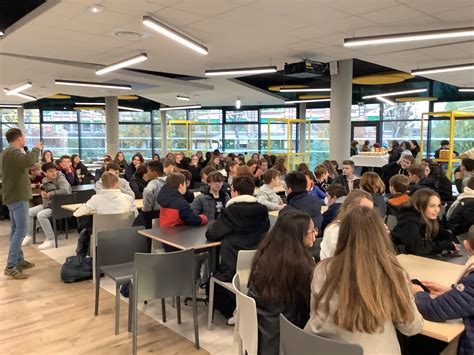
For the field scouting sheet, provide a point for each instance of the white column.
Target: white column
(112, 124)
(21, 119)
(164, 132)
(302, 126)
(341, 101)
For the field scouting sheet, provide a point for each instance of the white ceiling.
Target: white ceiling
(237, 33)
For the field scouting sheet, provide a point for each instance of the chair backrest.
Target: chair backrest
(391, 222)
(244, 264)
(59, 200)
(105, 222)
(119, 246)
(295, 341)
(442, 211)
(164, 275)
(246, 323)
(84, 196)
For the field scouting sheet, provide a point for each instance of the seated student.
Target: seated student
(262, 168)
(156, 181)
(311, 188)
(399, 167)
(285, 289)
(331, 232)
(188, 195)
(36, 176)
(466, 171)
(267, 195)
(131, 168)
(54, 183)
(417, 230)
(461, 213)
(348, 179)
(452, 302)
(109, 200)
(98, 172)
(137, 182)
(335, 196)
(82, 173)
(232, 168)
(399, 185)
(213, 199)
(444, 187)
(298, 199)
(321, 175)
(169, 166)
(416, 174)
(123, 184)
(195, 169)
(121, 161)
(174, 209)
(65, 166)
(361, 295)
(374, 185)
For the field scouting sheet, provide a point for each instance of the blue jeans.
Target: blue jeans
(19, 228)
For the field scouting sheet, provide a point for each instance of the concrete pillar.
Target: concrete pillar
(164, 132)
(21, 119)
(302, 126)
(112, 124)
(341, 101)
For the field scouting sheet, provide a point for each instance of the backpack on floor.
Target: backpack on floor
(76, 268)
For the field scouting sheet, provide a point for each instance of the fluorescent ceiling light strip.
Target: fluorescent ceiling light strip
(183, 98)
(92, 84)
(385, 100)
(305, 90)
(18, 89)
(172, 108)
(28, 97)
(466, 89)
(130, 109)
(409, 37)
(89, 103)
(303, 101)
(241, 71)
(446, 69)
(174, 34)
(395, 93)
(238, 104)
(122, 64)
(10, 106)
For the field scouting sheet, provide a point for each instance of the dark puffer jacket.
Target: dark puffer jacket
(302, 201)
(409, 235)
(426, 183)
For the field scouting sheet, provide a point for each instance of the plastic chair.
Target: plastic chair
(115, 254)
(105, 222)
(59, 213)
(295, 341)
(160, 276)
(391, 222)
(246, 325)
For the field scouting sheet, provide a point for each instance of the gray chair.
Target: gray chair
(391, 222)
(161, 276)
(115, 254)
(60, 213)
(84, 196)
(295, 341)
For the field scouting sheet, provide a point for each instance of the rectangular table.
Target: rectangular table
(376, 161)
(86, 187)
(74, 206)
(444, 273)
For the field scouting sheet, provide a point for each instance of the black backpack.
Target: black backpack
(76, 268)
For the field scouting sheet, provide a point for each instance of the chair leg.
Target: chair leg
(97, 290)
(178, 309)
(55, 229)
(34, 230)
(67, 229)
(117, 308)
(163, 309)
(131, 302)
(195, 318)
(211, 304)
(135, 321)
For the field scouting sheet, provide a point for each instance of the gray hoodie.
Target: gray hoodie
(59, 186)
(124, 187)
(150, 194)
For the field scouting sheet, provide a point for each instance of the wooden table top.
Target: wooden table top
(72, 207)
(425, 269)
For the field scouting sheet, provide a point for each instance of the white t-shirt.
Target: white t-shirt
(329, 243)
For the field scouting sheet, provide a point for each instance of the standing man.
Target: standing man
(16, 189)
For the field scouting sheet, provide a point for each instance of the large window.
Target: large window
(319, 143)
(369, 112)
(60, 138)
(241, 138)
(135, 134)
(213, 118)
(278, 131)
(241, 116)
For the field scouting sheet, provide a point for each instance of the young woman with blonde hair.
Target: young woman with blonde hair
(373, 184)
(362, 294)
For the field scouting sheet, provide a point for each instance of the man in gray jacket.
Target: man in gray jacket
(156, 180)
(54, 183)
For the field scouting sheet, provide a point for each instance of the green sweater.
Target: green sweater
(16, 185)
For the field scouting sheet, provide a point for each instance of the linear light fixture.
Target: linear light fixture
(238, 103)
(385, 100)
(306, 90)
(303, 101)
(19, 88)
(394, 93)
(130, 109)
(92, 84)
(183, 98)
(173, 108)
(10, 106)
(241, 71)
(28, 97)
(466, 89)
(175, 35)
(122, 64)
(445, 69)
(409, 37)
(103, 104)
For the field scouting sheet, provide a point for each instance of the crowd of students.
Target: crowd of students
(293, 272)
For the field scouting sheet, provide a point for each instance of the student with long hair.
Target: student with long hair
(280, 165)
(131, 168)
(362, 294)
(331, 170)
(120, 160)
(373, 184)
(418, 231)
(195, 169)
(285, 289)
(47, 157)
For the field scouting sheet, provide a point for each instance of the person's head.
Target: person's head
(467, 165)
(347, 168)
(280, 165)
(428, 204)
(215, 180)
(272, 177)
(119, 157)
(321, 173)
(244, 170)
(232, 167)
(141, 171)
(252, 164)
(444, 144)
(178, 157)
(137, 160)
(155, 157)
(168, 166)
(177, 181)
(469, 241)
(194, 160)
(206, 171)
(399, 184)
(353, 199)
(113, 167)
(295, 182)
(406, 161)
(354, 144)
(263, 165)
(335, 164)
(288, 242)
(394, 143)
(208, 156)
(372, 183)
(366, 143)
(333, 192)
(309, 179)
(187, 175)
(110, 180)
(49, 170)
(15, 137)
(35, 170)
(470, 183)
(47, 156)
(255, 156)
(242, 185)
(154, 169)
(405, 145)
(199, 154)
(216, 160)
(435, 172)
(371, 285)
(413, 144)
(416, 173)
(75, 159)
(331, 169)
(65, 161)
(106, 161)
(170, 155)
(241, 158)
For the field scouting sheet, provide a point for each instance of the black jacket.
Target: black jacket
(329, 215)
(389, 170)
(461, 215)
(444, 187)
(303, 202)
(342, 180)
(130, 171)
(409, 235)
(395, 154)
(138, 184)
(426, 183)
(240, 227)
(195, 175)
(380, 204)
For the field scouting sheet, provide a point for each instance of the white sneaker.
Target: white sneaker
(231, 321)
(27, 241)
(46, 244)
